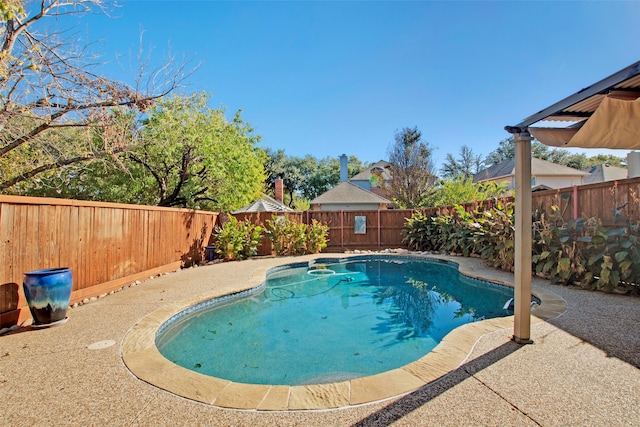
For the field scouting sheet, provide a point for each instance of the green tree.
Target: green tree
(608, 159)
(289, 169)
(507, 150)
(559, 156)
(191, 156)
(187, 155)
(459, 190)
(274, 166)
(465, 165)
(326, 174)
(412, 168)
(48, 84)
(305, 178)
(101, 179)
(582, 161)
(293, 177)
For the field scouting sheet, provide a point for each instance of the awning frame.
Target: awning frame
(602, 87)
(589, 98)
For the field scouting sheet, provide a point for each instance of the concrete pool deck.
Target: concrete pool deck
(581, 370)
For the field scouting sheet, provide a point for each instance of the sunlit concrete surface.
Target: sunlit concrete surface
(582, 368)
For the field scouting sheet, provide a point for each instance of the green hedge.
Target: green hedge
(240, 239)
(579, 252)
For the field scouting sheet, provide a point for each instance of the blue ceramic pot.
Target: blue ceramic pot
(48, 293)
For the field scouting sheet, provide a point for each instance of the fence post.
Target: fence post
(341, 230)
(575, 202)
(379, 229)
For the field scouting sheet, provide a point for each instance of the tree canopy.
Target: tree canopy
(186, 155)
(192, 156)
(55, 110)
(412, 168)
(506, 150)
(305, 178)
(458, 190)
(465, 165)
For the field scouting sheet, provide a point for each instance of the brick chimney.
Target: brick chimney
(279, 189)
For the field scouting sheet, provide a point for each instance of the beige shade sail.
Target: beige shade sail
(611, 123)
(555, 137)
(615, 124)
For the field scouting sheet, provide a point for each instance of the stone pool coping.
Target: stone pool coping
(142, 358)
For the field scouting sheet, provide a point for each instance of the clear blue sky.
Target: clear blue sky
(326, 78)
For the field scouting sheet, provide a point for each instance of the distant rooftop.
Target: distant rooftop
(538, 168)
(365, 175)
(347, 192)
(604, 173)
(265, 204)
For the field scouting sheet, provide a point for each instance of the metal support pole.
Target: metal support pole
(522, 289)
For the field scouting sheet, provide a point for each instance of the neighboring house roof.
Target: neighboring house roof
(365, 175)
(265, 204)
(603, 173)
(540, 187)
(382, 192)
(347, 192)
(539, 167)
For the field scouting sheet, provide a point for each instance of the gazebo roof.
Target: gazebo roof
(603, 115)
(606, 115)
(265, 204)
(582, 104)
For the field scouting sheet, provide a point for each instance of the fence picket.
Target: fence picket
(105, 244)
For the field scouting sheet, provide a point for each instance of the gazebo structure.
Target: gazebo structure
(603, 115)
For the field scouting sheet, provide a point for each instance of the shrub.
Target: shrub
(560, 256)
(487, 233)
(276, 233)
(420, 233)
(450, 191)
(494, 239)
(287, 237)
(237, 239)
(317, 236)
(579, 252)
(290, 238)
(613, 258)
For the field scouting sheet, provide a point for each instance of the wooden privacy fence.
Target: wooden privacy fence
(614, 202)
(107, 245)
(261, 218)
(347, 229)
(350, 230)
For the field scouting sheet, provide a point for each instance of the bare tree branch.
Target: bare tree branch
(47, 83)
(56, 165)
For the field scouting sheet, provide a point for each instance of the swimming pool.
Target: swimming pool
(329, 320)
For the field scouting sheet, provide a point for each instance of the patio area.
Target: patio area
(583, 368)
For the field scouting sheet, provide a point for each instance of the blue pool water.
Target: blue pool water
(331, 321)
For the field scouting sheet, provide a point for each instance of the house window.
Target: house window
(533, 181)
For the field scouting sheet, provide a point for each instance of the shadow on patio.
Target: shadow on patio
(412, 401)
(608, 322)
